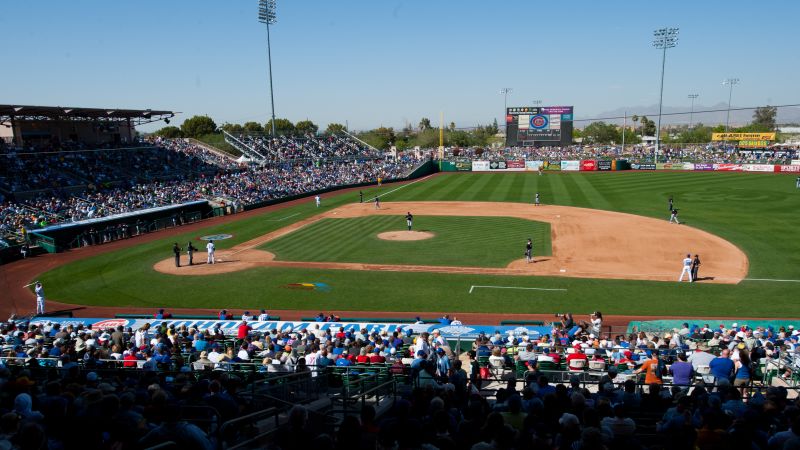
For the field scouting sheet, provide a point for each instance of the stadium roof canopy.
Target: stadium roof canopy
(28, 112)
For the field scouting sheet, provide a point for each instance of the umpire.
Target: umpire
(190, 249)
(177, 251)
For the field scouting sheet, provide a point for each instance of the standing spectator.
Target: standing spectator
(722, 367)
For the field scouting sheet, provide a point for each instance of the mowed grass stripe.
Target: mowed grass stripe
(560, 195)
(476, 188)
(594, 198)
(459, 241)
(575, 192)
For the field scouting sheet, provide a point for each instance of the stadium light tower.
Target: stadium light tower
(691, 111)
(505, 92)
(731, 82)
(536, 102)
(663, 38)
(266, 15)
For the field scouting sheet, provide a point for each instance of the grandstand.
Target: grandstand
(266, 149)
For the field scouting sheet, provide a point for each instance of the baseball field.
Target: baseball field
(601, 242)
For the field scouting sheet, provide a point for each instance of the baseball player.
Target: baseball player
(541, 169)
(190, 249)
(695, 267)
(687, 268)
(670, 203)
(798, 182)
(177, 251)
(39, 298)
(316, 199)
(377, 202)
(409, 220)
(360, 197)
(674, 216)
(536, 200)
(210, 247)
(529, 251)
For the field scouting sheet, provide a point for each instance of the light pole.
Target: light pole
(731, 82)
(266, 15)
(505, 92)
(691, 111)
(663, 38)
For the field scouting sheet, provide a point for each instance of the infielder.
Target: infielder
(536, 200)
(210, 249)
(316, 199)
(674, 217)
(798, 182)
(687, 268)
(377, 203)
(409, 220)
(39, 298)
(529, 251)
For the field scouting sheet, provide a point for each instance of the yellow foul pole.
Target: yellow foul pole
(441, 135)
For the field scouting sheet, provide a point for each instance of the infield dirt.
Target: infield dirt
(587, 243)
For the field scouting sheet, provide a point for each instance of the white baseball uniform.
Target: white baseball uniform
(687, 269)
(316, 198)
(210, 248)
(39, 299)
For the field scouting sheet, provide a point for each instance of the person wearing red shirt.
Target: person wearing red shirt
(243, 330)
(130, 359)
(377, 358)
(362, 357)
(577, 354)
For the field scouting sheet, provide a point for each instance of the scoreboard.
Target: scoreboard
(536, 126)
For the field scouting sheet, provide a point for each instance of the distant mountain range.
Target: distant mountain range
(681, 115)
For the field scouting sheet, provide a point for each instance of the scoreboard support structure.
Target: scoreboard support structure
(539, 126)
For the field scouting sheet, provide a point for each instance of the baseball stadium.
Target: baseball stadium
(549, 282)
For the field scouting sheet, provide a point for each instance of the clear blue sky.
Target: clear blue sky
(377, 62)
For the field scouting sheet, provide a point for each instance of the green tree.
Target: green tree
(334, 128)
(306, 126)
(424, 124)
(648, 126)
(493, 128)
(630, 137)
(381, 138)
(232, 128)
(282, 126)
(198, 126)
(602, 133)
(764, 117)
(452, 126)
(170, 132)
(253, 127)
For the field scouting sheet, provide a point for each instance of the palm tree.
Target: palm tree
(635, 119)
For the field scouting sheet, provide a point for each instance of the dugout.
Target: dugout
(50, 125)
(56, 238)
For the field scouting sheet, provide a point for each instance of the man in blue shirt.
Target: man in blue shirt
(722, 366)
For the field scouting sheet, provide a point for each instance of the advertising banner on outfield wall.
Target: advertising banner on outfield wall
(480, 166)
(637, 166)
(515, 164)
(588, 165)
(784, 168)
(758, 167)
(703, 166)
(533, 165)
(229, 327)
(675, 166)
(552, 165)
(571, 165)
(604, 164)
(769, 136)
(497, 165)
(463, 166)
(728, 167)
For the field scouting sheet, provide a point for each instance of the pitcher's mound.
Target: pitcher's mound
(405, 235)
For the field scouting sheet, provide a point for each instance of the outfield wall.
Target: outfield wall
(591, 165)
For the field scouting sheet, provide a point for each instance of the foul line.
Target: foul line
(405, 185)
(771, 279)
(471, 288)
(278, 220)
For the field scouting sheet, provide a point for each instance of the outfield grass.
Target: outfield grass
(458, 241)
(757, 212)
